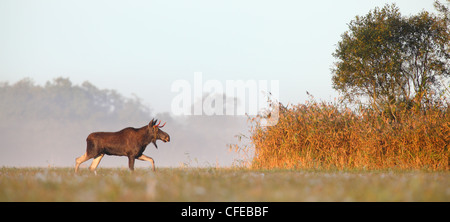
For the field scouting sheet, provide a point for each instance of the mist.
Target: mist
(43, 126)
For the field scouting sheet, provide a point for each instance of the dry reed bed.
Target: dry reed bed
(329, 136)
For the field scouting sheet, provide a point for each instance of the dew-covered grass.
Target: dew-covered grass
(220, 184)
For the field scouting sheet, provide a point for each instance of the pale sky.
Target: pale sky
(142, 47)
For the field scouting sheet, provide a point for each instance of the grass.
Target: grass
(221, 184)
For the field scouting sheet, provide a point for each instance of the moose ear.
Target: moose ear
(152, 123)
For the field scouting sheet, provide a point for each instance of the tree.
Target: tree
(425, 53)
(393, 60)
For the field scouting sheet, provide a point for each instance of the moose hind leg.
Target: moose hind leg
(149, 159)
(80, 160)
(131, 163)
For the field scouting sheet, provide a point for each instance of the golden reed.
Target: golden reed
(329, 136)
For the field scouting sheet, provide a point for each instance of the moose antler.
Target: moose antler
(157, 125)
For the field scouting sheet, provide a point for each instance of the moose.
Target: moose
(130, 142)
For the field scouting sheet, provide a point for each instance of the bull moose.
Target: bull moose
(130, 142)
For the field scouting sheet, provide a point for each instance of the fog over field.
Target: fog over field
(144, 47)
(47, 125)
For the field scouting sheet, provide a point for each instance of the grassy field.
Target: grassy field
(221, 184)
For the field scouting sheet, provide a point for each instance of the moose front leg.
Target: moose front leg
(149, 159)
(95, 163)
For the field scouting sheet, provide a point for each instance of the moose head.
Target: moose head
(158, 134)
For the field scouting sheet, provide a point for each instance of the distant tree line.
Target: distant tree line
(61, 100)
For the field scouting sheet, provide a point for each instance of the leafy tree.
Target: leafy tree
(393, 60)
